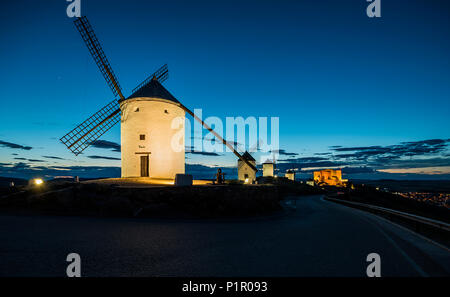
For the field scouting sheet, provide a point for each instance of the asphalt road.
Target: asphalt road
(320, 238)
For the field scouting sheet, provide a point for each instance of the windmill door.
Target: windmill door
(144, 166)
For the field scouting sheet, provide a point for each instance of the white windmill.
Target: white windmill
(146, 119)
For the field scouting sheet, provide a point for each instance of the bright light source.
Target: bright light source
(246, 180)
(38, 181)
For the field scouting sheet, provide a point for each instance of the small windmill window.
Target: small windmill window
(142, 137)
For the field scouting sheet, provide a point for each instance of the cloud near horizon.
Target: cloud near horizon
(405, 155)
(24, 170)
(53, 157)
(29, 160)
(104, 144)
(203, 153)
(14, 145)
(427, 157)
(103, 157)
(283, 153)
(191, 150)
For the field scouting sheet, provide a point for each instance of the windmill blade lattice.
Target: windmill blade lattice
(91, 129)
(89, 37)
(162, 74)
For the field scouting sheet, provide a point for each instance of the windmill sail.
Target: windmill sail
(88, 35)
(98, 124)
(161, 75)
(91, 129)
(227, 143)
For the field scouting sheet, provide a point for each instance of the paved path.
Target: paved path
(319, 239)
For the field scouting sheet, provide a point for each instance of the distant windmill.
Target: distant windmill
(146, 117)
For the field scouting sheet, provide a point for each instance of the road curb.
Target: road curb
(432, 229)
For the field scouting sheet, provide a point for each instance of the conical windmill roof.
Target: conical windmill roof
(154, 90)
(248, 157)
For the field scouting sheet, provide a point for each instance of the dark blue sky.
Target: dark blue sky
(331, 74)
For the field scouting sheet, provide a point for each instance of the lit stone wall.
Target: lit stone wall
(164, 137)
(328, 176)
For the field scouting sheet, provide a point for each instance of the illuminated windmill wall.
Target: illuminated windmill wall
(150, 146)
(245, 173)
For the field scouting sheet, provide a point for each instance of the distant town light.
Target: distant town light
(38, 181)
(246, 180)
